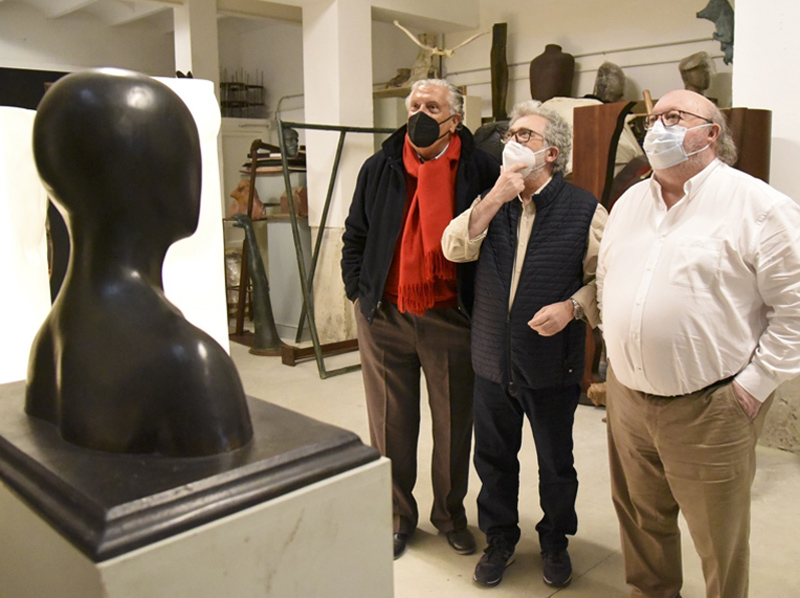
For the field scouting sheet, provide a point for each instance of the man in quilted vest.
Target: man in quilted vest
(535, 238)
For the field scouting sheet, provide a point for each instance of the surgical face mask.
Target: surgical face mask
(664, 145)
(423, 130)
(516, 153)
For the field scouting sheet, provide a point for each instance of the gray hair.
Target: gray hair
(455, 98)
(726, 149)
(557, 133)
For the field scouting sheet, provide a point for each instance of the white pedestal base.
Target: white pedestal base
(329, 539)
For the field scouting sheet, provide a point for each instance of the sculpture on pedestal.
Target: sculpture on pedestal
(551, 74)
(115, 366)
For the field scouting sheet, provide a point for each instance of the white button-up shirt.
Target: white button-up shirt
(703, 291)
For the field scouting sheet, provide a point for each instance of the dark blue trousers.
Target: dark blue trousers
(499, 414)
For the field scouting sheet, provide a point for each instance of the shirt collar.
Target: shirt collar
(691, 186)
(437, 156)
(537, 192)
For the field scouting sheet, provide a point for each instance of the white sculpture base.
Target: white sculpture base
(329, 539)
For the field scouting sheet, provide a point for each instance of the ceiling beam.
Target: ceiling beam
(259, 9)
(63, 8)
(115, 12)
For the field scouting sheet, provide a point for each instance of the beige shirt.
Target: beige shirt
(705, 290)
(458, 247)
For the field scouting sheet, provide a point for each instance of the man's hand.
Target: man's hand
(552, 319)
(750, 404)
(508, 185)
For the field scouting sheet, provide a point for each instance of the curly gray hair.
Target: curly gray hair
(726, 148)
(455, 98)
(557, 133)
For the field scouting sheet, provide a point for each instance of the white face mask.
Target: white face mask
(516, 153)
(664, 145)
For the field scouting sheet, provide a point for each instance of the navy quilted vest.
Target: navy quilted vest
(505, 349)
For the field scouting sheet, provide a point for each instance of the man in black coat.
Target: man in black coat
(413, 305)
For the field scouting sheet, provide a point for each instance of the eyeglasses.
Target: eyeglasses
(521, 135)
(670, 118)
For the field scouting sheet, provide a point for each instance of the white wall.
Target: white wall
(767, 47)
(271, 47)
(29, 40)
(647, 38)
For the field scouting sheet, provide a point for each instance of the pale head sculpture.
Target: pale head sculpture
(115, 366)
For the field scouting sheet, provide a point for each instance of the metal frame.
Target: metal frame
(307, 278)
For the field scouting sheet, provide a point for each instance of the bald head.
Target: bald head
(683, 99)
(719, 136)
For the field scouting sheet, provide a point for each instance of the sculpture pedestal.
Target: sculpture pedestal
(303, 510)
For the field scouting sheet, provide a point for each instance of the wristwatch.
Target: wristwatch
(577, 310)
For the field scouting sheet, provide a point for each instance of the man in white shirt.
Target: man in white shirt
(699, 289)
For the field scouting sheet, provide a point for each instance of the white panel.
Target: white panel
(25, 300)
(766, 44)
(194, 271)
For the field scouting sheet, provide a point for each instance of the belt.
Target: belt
(694, 392)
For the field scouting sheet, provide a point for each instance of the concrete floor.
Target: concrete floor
(430, 568)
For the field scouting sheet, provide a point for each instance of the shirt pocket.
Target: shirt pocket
(695, 262)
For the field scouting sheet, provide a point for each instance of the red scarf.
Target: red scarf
(431, 209)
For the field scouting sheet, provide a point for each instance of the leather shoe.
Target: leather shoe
(400, 541)
(461, 540)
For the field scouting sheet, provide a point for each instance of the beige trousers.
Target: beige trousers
(695, 454)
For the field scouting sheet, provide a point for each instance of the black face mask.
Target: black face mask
(423, 131)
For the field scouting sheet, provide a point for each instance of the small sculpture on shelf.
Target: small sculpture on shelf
(696, 71)
(115, 366)
(609, 84)
(240, 197)
(424, 67)
(400, 79)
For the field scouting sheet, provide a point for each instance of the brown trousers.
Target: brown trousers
(394, 349)
(693, 453)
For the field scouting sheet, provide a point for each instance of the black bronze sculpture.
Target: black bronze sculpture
(115, 366)
(499, 67)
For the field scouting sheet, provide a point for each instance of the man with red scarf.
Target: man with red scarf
(413, 306)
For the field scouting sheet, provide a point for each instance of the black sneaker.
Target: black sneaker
(497, 556)
(557, 568)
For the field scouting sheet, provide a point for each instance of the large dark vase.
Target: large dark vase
(551, 74)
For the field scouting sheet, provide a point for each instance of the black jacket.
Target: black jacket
(505, 349)
(376, 217)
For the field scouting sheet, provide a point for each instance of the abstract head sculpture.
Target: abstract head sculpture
(696, 71)
(609, 84)
(115, 366)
